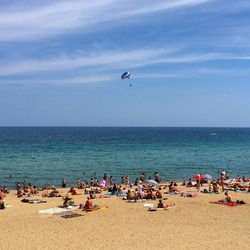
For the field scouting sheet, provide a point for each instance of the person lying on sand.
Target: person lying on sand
(73, 191)
(54, 193)
(96, 196)
(162, 205)
(190, 183)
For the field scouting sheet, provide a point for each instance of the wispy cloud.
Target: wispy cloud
(109, 60)
(105, 67)
(83, 80)
(77, 16)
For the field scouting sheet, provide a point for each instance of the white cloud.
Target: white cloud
(106, 61)
(80, 16)
(109, 61)
(83, 80)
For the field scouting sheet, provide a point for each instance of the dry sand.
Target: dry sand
(193, 223)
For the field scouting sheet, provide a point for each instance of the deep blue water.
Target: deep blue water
(47, 154)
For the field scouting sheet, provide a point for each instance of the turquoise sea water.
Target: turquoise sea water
(45, 155)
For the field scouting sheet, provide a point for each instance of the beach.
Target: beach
(193, 223)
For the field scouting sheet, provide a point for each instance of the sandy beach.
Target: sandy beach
(193, 223)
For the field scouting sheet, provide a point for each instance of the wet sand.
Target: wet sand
(193, 223)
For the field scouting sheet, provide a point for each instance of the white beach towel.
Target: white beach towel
(52, 210)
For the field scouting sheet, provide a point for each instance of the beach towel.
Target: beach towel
(188, 195)
(63, 213)
(33, 201)
(71, 216)
(52, 210)
(210, 192)
(148, 205)
(230, 204)
(73, 207)
(171, 193)
(36, 201)
(155, 209)
(94, 209)
(108, 194)
(133, 201)
(8, 206)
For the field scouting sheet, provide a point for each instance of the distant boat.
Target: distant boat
(213, 134)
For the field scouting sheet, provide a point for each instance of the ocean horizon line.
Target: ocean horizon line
(139, 126)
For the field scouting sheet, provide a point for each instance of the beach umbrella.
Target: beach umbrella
(208, 176)
(196, 177)
(152, 182)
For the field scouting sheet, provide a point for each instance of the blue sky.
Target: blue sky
(61, 61)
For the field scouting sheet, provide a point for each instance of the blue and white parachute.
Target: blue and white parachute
(125, 75)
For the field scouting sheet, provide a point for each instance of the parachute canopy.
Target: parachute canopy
(125, 75)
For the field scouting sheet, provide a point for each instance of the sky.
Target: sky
(61, 63)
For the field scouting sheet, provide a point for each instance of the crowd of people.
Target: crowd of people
(140, 189)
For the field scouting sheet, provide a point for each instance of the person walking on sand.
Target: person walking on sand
(198, 182)
(140, 190)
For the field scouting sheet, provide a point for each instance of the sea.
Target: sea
(45, 155)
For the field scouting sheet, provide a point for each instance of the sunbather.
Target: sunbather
(67, 201)
(162, 205)
(73, 191)
(54, 193)
(2, 203)
(227, 199)
(88, 205)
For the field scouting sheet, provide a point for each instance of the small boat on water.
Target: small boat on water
(213, 134)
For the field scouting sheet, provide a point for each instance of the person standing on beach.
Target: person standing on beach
(78, 183)
(127, 181)
(111, 180)
(140, 190)
(222, 178)
(105, 176)
(64, 183)
(142, 177)
(157, 177)
(198, 182)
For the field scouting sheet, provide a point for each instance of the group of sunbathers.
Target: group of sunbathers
(132, 192)
(27, 190)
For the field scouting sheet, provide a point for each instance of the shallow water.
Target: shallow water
(47, 154)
